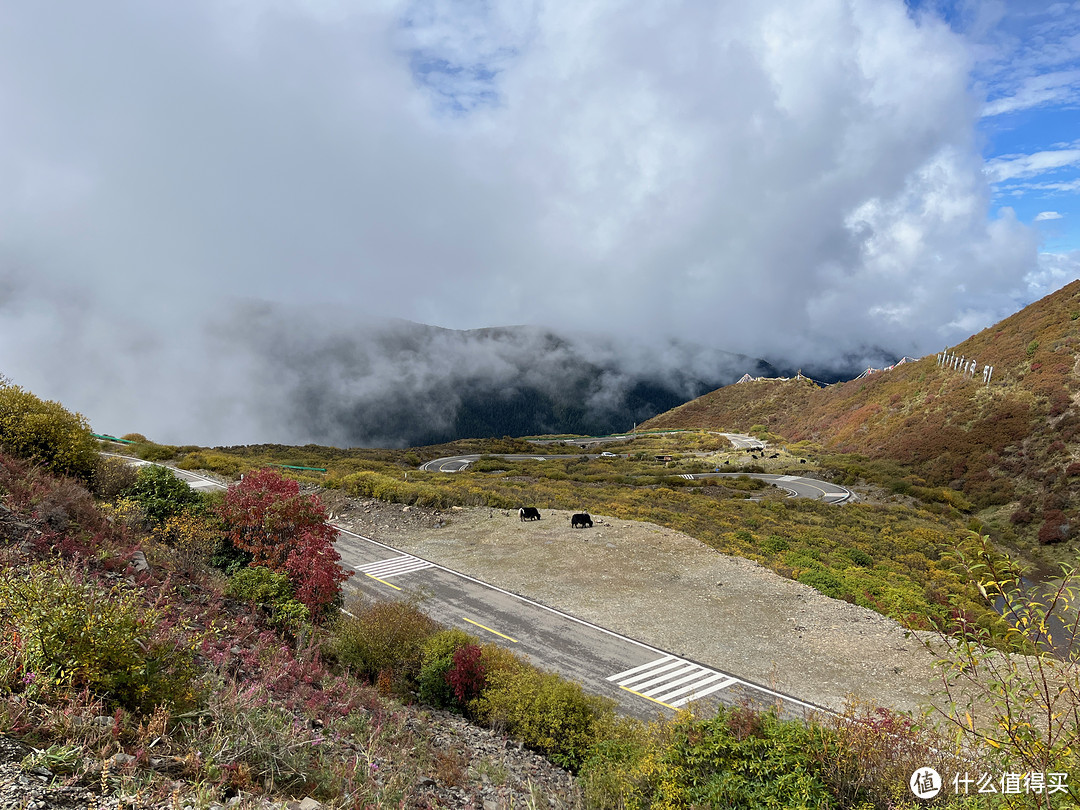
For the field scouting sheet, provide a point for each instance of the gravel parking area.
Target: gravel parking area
(669, 590)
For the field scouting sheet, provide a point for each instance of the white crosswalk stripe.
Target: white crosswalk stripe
(672, 681)
(394, 567)
(687, 476)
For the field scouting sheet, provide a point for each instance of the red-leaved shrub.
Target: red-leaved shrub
(468, 674)
(1054, 529)
(266, 516)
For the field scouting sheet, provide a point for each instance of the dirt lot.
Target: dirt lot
(671, 591)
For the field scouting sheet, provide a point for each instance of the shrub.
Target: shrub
(545, 712)
(1025, 707)
(860, 557)
(866, 753)
(161, 494)
(112, 477)
(66, 507)
(266, 516)
(467, 676)
(383, 637)
(436, 659)
(273, 593)
(823, 580)
(1055, 528)
(71, 634)
(155, 452)
(45, 433)
(739, 759)
(1021, 517)
(196, 534)
(774, 544)
(216, 462)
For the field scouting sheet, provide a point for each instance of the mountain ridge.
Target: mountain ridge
(1009, 443)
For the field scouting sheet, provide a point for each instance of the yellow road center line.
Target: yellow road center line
(496, 632)
(383, 581)
(654, 700)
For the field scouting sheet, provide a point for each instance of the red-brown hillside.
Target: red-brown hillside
(1014, 440)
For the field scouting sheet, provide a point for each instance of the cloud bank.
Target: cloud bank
(794, 180)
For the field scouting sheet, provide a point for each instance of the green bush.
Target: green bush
(215, 462)
(859, 557)
(545, 712)
(774, 544)
(45, 433)
(273, 593)
(71, 634)
(161, 494)
(385, 637)
(155, 452)
(823, 580)
(436, 659)
(739, 759)
(112, 477)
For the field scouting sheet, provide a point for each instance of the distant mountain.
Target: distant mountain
(1010, 447)
(397, 383)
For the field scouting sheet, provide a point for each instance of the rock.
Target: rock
(120, 759)
(167, 764)
(139, 563)
(310, 804)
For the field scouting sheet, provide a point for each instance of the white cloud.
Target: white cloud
(796, 178)
(1053, 272)
(1043, 216)
(1037, 91)
(1008, 167)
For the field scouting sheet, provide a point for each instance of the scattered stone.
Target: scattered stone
(139, 563)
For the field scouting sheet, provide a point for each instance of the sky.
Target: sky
(810, 181)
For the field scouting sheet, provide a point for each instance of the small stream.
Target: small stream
(1060, 623)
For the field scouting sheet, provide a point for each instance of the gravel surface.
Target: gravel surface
(672, 591)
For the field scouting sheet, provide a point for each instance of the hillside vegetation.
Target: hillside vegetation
(165, 648)
(1009, 447)
(897, 559)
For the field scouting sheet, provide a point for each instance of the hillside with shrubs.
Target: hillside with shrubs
(1004, 451)
(165, 648)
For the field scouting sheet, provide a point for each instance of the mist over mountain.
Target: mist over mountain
(396, 383)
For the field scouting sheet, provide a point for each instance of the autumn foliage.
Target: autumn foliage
(1009, 441)
(267, 516)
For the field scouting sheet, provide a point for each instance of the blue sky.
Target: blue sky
(1027, 71)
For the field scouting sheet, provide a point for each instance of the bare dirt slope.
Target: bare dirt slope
(671, 591)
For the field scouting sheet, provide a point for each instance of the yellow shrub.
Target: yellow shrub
(46, 433)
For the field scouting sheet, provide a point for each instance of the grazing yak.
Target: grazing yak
(528, 513)
(581, 519)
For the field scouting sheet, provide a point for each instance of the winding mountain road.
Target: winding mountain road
(797, 486)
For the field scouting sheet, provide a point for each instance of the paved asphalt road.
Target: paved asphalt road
(642, 679)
